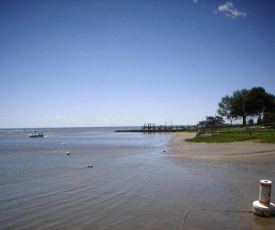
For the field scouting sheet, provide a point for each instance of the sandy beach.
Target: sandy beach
(237, 167)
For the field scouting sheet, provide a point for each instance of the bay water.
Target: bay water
(45, 183)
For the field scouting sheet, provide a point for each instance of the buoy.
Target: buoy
(68, 153)
(263, 206)
(63, 144)
(90, 166)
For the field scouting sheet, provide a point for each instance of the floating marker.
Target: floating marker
(68, 153)
(263, 206)
(90, 166)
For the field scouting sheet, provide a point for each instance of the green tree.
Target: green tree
(260, 102)
(259, 120)
(225, 108)
(269, 117)
(269, 110)
(219, 120)
(269, 106)
(256, 99)
(239, 105)
(244, 103)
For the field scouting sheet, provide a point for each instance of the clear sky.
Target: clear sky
(126, 62)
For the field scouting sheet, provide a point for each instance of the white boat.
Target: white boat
(36, 134)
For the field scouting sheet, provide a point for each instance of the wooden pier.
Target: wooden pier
(151, 128)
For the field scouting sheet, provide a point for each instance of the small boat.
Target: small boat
(36, 134)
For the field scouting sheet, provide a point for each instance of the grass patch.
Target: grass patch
(226, 136)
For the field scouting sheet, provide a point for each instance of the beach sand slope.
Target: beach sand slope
(238, 168)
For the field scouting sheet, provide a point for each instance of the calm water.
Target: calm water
(133, 184)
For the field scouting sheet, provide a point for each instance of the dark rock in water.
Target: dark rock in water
(164, 151)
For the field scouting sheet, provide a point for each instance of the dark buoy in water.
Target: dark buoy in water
(90, 166)
(164, 151)
(68, 153)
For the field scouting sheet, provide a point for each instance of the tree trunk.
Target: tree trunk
(244, 120)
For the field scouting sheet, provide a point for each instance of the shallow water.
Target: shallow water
(133, 184)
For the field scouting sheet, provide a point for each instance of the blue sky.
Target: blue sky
(126, 62)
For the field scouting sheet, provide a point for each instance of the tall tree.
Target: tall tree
(260, 102)
(239, 105)
(225, 108)
(243, 103)
(269, 110)
(269, 103)
(269, 117)
(256, 99)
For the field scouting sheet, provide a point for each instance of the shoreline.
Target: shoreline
(238, 167)
(235, 151)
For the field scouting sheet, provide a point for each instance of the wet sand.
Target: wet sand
(237, 167)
